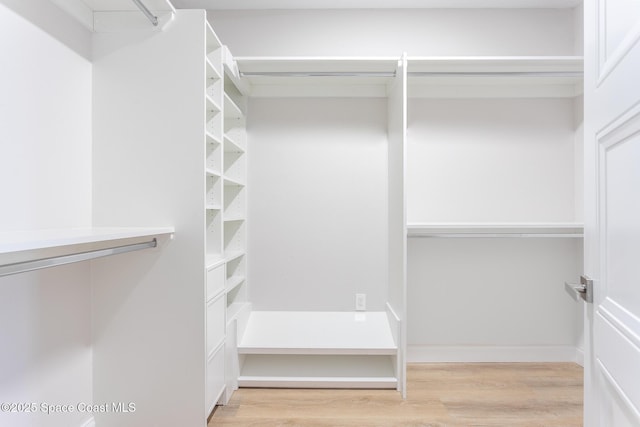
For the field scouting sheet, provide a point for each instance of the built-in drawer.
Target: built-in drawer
(215, 322)
(215, 378)
(215, 281)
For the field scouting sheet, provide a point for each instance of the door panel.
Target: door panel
(612, 212)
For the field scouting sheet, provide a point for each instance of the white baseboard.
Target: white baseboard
(417, 354)
(580, 356)
(91, 422)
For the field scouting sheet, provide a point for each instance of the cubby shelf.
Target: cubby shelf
(232, 255)
(232, 181)
(212, 105)
(212, 138)
(230, 145)
(212, 172)
(212, 69)
(231, 109)
(213, 260)
(233, 218)
(233, 282)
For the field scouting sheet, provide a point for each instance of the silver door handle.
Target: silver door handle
(583, 290)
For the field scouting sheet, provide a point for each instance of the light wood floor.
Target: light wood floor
(456, 394)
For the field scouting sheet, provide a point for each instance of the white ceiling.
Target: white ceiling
(372, 4)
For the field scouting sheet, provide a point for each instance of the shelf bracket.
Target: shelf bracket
(24, 266)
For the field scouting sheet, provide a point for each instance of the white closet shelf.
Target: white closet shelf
(213, 42)
(212, 73)
(495, 76)
(231, 109)
(317, 333)
(495, 230)
(213, 261)
(212, 106)
(231, 181)
(230, 145)
(52, 238)
(318, 76)
(213, 207)
(232, 255)
(317, 371)
(212, 138)
(233, 218)
(212, 172)
(233, 282)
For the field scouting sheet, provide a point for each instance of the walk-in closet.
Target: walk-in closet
(297, 198)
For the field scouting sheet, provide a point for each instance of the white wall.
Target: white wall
(45, 181)
(390, 32)
(317, 204)
(490, 160)
(528, 147)
(492, 299)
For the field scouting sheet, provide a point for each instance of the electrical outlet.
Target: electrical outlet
(361, 302)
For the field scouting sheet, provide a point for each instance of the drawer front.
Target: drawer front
(215, 379)
(215, 322)
(215, 281)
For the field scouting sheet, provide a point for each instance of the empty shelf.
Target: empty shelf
(318, 371)
(319, 333)
(231, 109)
(234, 282)
(231, 255)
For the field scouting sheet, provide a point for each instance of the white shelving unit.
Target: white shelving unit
(226, 209)
(328, 348)
(215, 301)
(233, 227)
(493, 182)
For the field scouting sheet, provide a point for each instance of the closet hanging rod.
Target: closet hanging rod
(37, 264)
(147, 12)
(570, 74)
(318, 74)
(492, 235)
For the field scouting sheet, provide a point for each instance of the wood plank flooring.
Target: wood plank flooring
(438, 395)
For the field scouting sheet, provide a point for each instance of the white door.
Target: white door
(612, 212)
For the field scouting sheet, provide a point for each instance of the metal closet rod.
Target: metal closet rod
(496, 73)
(24, 266)
(318, 74)
(147, 12)
(412, 74)
(491, 235)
